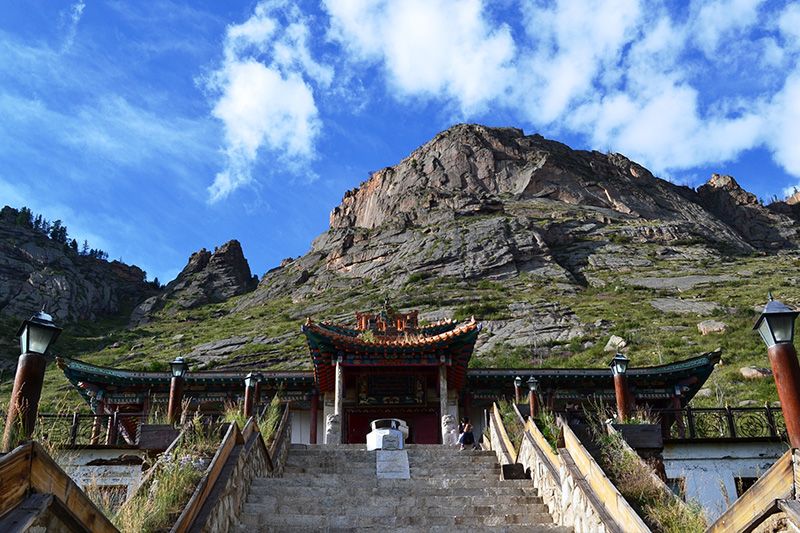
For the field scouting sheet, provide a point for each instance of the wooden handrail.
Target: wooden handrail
(761, 499)
(549, 457)
(614, 503)
(232, 438)
(29, 469)
(505, 442)
(279, 433)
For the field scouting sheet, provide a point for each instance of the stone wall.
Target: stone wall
(565, 498)
(250, 462)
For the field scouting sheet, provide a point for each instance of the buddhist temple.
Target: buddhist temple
(386, 365)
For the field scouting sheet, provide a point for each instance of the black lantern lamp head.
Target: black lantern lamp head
(533, 384)
(619, 364)
(178, 367)
(776, 323)
(518, 382)
(37, 333)
(252, 378)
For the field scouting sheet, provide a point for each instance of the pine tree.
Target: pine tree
(85, 247)
(74, 245)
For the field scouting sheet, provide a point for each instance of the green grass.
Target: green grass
(653, 337)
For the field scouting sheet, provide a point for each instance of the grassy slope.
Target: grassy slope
(654, 337)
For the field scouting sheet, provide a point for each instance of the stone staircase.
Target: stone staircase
(336, 488)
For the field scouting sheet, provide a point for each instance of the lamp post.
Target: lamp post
(178, 369)
(35, 337)
(251, 386)
(619, 369)
(776, 327)
(533, 389)
(517, 387)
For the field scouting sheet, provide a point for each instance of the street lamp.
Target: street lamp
(178, 369)
(533, 388)
(776, 327)
(251, 392)
(36, 335)
(619, 369)
(517, 387)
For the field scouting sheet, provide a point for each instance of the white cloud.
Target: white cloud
(429, 48)
(789, 25)
(784, 131)
(74, 17)
(718, 20)
(264, 93)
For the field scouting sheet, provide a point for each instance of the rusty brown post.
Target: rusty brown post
(532, 404)
(111, 434)
(175, 398)
(786, 372)
(248, 401)
(97, 424)
(623, 397)
(24, 404)
(314, 416)
(517, 390)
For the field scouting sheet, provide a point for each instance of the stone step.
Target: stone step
(350, 482)
(349, 521)
(415, 507)
(310, 501)
(537, 528)
(329, 492)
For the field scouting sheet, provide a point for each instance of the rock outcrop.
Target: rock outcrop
(206, 278)
(492, 203)
(37, 272)
(760, 226)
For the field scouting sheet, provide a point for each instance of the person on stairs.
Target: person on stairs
(465, 437)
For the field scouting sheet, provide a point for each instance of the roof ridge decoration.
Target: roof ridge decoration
(402, 339)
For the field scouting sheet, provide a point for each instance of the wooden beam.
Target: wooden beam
(760, 500)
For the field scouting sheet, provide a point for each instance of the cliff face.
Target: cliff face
(37, 272)
(206, 278)
(478, 202)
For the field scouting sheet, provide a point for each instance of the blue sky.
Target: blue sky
(156, 128)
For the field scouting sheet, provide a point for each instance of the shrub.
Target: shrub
(511, 422)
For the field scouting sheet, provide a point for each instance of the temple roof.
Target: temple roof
(447, 343)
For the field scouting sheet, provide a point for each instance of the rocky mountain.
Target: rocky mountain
(207, 278)
(563, 255)
(492, 203)
(37, 272)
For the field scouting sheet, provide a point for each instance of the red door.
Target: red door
(423, 427)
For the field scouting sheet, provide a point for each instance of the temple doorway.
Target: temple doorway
(423, 423)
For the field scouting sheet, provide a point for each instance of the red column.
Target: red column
(24, 404)
(623, 397)
(98, 421)
(532, 404)
(175, 399)
(248, 401)
(314, 416)
(786, 371)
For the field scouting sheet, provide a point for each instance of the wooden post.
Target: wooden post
(623, 397)
(248, 401)
(532, 404)
(314, 415)
(111, 435)
(517, 394)
(175, 399)
(24, 404)
(338, 393)
(786, 372)
(97, 423)
(257, 397)
(73, 430)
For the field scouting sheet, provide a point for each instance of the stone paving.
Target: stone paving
(346, 488)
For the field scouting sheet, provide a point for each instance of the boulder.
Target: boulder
(754, 372)
(704, 393)
(615, 344)
(706, 327)
(684, 307)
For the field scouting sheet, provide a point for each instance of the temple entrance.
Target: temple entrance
(423, 423)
